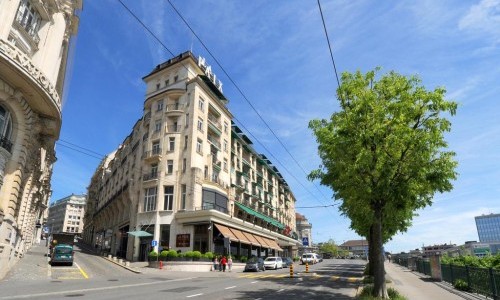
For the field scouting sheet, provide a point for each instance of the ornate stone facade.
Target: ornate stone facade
(32, 72)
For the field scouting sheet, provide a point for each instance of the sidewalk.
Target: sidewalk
(34, 265)
(416, 286)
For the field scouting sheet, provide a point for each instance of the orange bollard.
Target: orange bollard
(161, 264)
(307, 267)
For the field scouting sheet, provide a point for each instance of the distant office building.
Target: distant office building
(436, 249)
(35, 39)
(356, 247)
(66, 215)
(488, 228)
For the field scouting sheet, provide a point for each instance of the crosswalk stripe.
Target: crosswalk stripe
(335, 278)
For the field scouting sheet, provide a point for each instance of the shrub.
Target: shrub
(296, 259)
(189, 254)
(243, 259)
(196, 255)
(209, 255)
(366, 294)
(163, 255)
(172, 254)
(153, 255)
(461, 285)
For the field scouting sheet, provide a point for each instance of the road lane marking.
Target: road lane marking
(335, 278)
(195, 295)
(353, 279)
(280, 291)
(94, 289)
(254, 282)
(82, 271)
(230, 287)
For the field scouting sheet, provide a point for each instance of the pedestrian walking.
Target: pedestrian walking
(223, 262)
(220, 263)
(230, 263)
(216, 263)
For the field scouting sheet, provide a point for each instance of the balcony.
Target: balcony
(6, 144)
(174, 109)
(214, 142)
(214, 124)
(174, 128)
(147, 117)
(153, 155)
(150, 176)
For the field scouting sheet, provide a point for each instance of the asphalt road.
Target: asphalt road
(93, 277)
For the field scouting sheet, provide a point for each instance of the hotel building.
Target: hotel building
(66, 215)
(35, 38)
(187, 178)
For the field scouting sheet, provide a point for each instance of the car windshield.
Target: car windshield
(252, 260)
(63, 250)
(271, 259)
(307, 255)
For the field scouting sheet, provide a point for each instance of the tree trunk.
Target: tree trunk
(379, 287)
(371, 257)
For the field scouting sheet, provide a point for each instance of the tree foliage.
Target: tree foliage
(383, 154)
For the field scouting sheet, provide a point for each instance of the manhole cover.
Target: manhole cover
(112, 279)
(74, 295)
(56, 281)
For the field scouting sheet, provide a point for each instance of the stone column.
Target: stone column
(435, 262)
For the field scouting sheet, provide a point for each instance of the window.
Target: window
(185, 142)
(157, 86)
(167, 82)
(171, 143)
(29, 18)
(5, 129)
(199, 146)
(200, 125)
(201, 104)
(156, 148)
(225, 127)
(176, 77)
(225, 145)
(184, 165)
(214, 200)
(154, 170)
(187, 120)
(169, 197)
(158, 126)
(150, 199)
(183, 196)
(170, 166)
(225, 164)
(159, 105)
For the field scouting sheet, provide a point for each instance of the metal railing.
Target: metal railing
(174, 128)
(150, 176)
(213, 141)
(484, 281)
(174, 107)
(213, 120)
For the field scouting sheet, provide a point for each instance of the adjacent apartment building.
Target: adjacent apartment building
(66, 215)
(187, 178)
(304, 230)
(35, 38)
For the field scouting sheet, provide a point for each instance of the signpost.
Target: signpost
(305, 241)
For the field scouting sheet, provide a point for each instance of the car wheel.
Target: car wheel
(276, 266)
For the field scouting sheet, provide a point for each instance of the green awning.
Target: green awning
(260, 216)
(140, 233)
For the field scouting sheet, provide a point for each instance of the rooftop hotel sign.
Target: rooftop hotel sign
(207, 69)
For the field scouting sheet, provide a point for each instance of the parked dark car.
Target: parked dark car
(287, 262)
(254, 264)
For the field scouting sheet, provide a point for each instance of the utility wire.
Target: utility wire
(329, 45)
(241, 93)
(161, 43)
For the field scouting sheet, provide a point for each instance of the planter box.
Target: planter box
(154, 264)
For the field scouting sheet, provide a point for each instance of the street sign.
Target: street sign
(154, 243)
(305, 241)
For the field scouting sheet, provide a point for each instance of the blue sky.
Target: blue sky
(276, 52)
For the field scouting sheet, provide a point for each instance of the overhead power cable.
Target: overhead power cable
(242, 94)
(329, 45)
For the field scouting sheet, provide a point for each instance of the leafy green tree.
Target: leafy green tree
(329, 247)
(383, 154)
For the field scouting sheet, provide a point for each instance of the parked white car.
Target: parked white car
(273, 262)
(309, 258)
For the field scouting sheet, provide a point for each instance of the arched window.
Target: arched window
(5, 129)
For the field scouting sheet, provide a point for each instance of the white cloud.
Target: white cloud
(483, 18)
